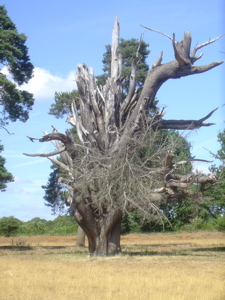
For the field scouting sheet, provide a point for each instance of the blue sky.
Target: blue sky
(63, 34)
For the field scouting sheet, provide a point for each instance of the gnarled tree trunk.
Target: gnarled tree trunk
(115, 166)
(104, 235)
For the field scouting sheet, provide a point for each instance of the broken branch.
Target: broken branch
(46, 154)
(157, 31)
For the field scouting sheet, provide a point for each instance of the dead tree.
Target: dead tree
(118, 162)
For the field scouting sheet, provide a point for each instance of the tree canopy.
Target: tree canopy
(216, 204)
(55, 193)
(128, 49)
(5, 177)
(9, 225)
(16, 69)
(14, 103)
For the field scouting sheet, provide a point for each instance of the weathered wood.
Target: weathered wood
(105, 170)
(116, 61)
(184, 124)
(59, 151)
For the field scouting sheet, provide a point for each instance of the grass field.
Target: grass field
(184, 266)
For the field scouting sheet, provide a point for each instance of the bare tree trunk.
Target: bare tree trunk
(103, 236)
(80, 242)
(108, 241)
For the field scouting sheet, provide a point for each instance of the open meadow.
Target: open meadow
(182, 266)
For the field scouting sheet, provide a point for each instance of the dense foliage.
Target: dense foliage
(65, 225)
(128, 49)
(5, 177)
(62, 225)
(9, 226)
(62, 105)
(14, 103)
(216, 206)
(55, 193)
(15, 69)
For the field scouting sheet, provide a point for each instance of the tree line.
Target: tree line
(65, 225)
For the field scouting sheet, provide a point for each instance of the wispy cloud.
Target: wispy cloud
(32, 162)
(12, 155)
(19, 180)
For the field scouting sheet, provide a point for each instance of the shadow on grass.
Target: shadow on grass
(16, 248)
(29, 247)
(53, 247)
(161, 245)
(210, 249)
(153, 253)
(50, 249)
(177, 252)
(75, 252)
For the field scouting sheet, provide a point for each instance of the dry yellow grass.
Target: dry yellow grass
(186, 266)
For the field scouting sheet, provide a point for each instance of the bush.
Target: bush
(9, 226)
(130, 223)
(220, 224)
(63, 225)
(217, 223)
(35, 226)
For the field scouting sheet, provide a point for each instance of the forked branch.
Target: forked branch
(193, 53)
(55, 136)
(183, 124)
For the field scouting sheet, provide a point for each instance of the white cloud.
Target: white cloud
(201, 169)
(44, 85)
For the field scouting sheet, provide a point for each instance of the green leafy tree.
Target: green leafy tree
(221, 152)
(5, 177)
(36, 226)
(55, 193)
(216, 206)
(128, 49)
(15, 104)
(62, 105)
(204, 212)
(9, 226)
